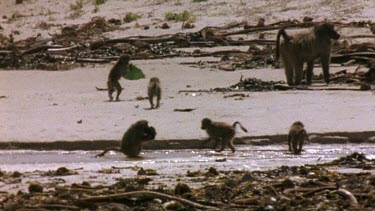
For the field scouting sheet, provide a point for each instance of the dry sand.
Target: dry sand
(46, 106)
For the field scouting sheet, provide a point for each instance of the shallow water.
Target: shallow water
(179, 161)
(170, 165)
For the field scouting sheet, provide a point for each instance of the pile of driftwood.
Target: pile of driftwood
(85, 44)
(310, 187)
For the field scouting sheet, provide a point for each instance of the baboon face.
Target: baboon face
(205, 123)
(327, 29)
(124, 59)
(298, 123)
(149, 133)
(155, 80)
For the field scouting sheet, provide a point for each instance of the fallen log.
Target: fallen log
(39, 48)
(145, 194)
(285, 87)
(267, 28)
(248, 42)
(56, 50)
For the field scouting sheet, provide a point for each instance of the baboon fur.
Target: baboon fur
(131, 143)
(116, 72)
(154, 90)
(221, 133)
(297, 49)
(296, 137)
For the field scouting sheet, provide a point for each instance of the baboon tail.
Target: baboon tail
(107, 150)
(242, 127)
(286, 38)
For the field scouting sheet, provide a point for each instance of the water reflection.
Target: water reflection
(179, 161)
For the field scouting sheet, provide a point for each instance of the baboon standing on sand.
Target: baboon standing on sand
(154, 90)
(114, 76)
(297, 49)
(131, 144)
(221, 132)
(296, 137)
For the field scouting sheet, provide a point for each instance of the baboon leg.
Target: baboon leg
(301, 142)
(158, 101)
(118, 88)
(298, 70)
(231, 146)
(110, 90)
(309, 72)
(289, 143)
(288, 72)
(226, 141)
(151, 99)
(295, 145)
(325, 66)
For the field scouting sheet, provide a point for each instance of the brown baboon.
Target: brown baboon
(114, 76)
(131, 144)
(154, 90)
(296, 137)
(261, 22)
(221, 132)
(297, 49)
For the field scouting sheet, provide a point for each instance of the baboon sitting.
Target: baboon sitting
(114, 76)
(154, 90)
(131, 144)
(296, 137)
(221, 132)
(297, 49)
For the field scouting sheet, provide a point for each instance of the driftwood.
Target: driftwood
(285, 87)
(184, 109)
(267, 28)
(145, 194)
(206, 37)
(349, 196)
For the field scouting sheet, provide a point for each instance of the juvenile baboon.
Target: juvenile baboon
(261, 22)
(114, 76)
(296, 137)
(297, 49)
(154, 90)
(131, 144)
(221, 133)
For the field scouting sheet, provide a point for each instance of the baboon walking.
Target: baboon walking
(131, 144)
(221, 133)
(296, 137)
(114, 76)
(154, 90)
(297, 49)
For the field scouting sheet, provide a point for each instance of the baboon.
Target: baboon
(221, 132)
(154, 90)
(296, 137)
(297, 49)
(131, 144)
(114, 76)
(261, 22)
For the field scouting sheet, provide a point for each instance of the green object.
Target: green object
(133, 73)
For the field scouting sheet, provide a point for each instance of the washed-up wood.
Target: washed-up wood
(145, 195)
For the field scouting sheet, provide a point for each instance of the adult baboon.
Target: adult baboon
(154, 90)
(131, 144)
(297, 49)
(296, 137)
(221, 132)
(116, 72)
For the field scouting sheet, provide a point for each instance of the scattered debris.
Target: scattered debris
(184, 109)
(311, 187)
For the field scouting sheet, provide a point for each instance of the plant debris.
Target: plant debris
(311, 187)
